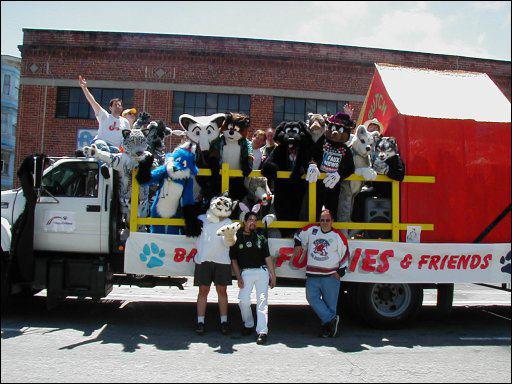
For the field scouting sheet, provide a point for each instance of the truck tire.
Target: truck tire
(388, 306)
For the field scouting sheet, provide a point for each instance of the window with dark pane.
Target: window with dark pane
(72, 103)
(198, 104)
(292, 109)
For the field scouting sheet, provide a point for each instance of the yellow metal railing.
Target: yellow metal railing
(395, 226)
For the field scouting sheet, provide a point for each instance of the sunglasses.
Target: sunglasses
(325, 220)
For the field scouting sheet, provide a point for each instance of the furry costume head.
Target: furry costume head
(363, 141)
(338, 128)
(316, 125)
(385, 148)
(291, 133)
(135, 143)
(156, 133)
(221, 207)
(235, 126)
(202, 130)
(181, 164)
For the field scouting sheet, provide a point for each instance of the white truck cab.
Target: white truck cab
(72, 211)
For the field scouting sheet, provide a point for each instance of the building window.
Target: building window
(5, 128)
(72, 104)
(6, 158)
(7, 85)
(288, 109)
(204, 104)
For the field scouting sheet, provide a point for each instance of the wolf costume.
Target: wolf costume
(292, 154)
(202, 131)
(175, 187)
(135, 154)
(233, 148)
(387, 160)
(361, 145)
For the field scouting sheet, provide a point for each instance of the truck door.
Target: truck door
(69, 213)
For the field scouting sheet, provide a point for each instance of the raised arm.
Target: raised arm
(88, 95)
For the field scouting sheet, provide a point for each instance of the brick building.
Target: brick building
(167, 75)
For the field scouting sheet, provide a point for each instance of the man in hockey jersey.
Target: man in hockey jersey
(327, 258)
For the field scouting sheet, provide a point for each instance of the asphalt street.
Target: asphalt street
(146, 335)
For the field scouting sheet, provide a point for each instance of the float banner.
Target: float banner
(370, 261)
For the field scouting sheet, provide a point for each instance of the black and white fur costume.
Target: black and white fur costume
(135, 145)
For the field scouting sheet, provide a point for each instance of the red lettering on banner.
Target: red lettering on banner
(369, 260)
(384, 260)
(285, 254)
(475, 261)
(423, 260)
(406, 261)
(179, 254)
(433, 262)
(355, 259)
(463, 261)
(487, 259)
(452, 263)
(192, 255)
(443, 263)
(296, 260)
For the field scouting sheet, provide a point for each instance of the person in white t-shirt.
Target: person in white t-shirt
(111, 125)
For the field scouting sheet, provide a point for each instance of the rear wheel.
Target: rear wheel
(389, 305)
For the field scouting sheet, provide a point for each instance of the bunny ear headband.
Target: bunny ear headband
(245, 210)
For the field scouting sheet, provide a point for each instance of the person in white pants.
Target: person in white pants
(253, 266)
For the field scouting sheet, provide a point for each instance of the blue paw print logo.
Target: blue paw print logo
(505, 261)
(154, 254)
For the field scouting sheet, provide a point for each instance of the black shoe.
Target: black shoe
(200, 328)
(247, 331)
(224, 328)
(333, 326)
(325, 330)
(262, 339)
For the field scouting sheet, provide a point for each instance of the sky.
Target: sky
(474, 29)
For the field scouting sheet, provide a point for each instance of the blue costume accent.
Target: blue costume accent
(183, 160)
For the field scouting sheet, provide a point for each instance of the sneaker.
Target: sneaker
(247, 331)
(333, 325)
(262, 339)
(200, 328)
(224, 328)
(325, 330)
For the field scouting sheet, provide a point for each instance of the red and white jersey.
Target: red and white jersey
(326, 252)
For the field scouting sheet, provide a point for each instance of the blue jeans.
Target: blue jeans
(322, 295)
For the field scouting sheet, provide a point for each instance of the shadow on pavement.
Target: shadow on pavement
(170, 326)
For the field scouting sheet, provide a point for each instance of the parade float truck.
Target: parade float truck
(447, 222)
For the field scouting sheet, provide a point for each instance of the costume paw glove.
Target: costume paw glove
(312, 173)
(332, 179)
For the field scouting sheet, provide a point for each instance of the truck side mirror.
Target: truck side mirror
(104, 172)
(38, 170)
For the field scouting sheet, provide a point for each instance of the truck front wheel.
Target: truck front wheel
(388, 305)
